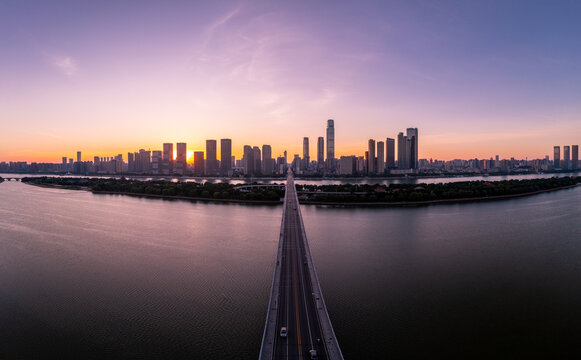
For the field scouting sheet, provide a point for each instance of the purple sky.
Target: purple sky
(477, 78)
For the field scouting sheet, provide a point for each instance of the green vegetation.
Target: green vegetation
(162, 188)
(413, 193)
(1, 179)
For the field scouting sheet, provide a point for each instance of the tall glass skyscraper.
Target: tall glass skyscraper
(225, 156)
(331, 144)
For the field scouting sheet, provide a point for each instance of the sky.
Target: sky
(477, 78)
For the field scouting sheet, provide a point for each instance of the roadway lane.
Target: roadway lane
(296, 303)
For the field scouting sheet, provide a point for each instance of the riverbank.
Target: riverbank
(431, 202)
(154, 196)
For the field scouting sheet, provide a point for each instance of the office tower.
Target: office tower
(380, 166)
(130, 162)
(347, 165)
(402, 162)
(412, 136)
(211, 160)
(78, 156)
(257, 160)
(320, 151)
(371, 157)
(306, 157)
(167, 160)
(199, 163)
(96, 163)
(296, 164)
(557, 157)
(285, 158)
(64, 161)
(330, 144)
(225, 157)
(248, 160)
(143, 161)
(390, 153)
(118, 164)
(156, 160)
(566, 157)
(575, 157)
(181, 158)
(267, 160)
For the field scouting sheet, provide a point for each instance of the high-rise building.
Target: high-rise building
(557, 157)
(143, 161)
(390, 153)
(248, 160)
(211, 160)
(257, 160)
(167, 160)
(306, 157)
(566, 157)
(225, 157)
(199, 169)
(380, 157)
(412, 136)
(130, 162)
(347, 165)
(156, 161)
(267, 160)
(181, 159)
(575, 157)
(402, 161)
(331, 145)
(78, 156)
(371, 157)
(320, 151)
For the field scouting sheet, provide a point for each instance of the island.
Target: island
(335, 195)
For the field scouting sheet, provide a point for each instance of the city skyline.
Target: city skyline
(476, 78)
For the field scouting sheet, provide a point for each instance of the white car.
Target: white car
(283, 332)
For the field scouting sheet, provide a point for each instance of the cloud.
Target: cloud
(66, 64)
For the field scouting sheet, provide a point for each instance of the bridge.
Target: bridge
(296, 301)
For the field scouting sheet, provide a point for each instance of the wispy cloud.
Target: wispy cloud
(66, 64)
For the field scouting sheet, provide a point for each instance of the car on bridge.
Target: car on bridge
(313, 354)
(283, 332)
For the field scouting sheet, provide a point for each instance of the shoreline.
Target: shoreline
(433, 202)
(307, 202)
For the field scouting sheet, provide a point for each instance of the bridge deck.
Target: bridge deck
(296, 299)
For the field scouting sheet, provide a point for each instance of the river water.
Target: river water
(104, 276)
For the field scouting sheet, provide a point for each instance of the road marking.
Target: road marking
(296, 298)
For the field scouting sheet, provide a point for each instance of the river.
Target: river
(108, 276)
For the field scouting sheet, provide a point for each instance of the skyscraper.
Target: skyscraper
(267, 161)
(566, 157)
(380, 157)
(306, 157)
(331, 144)
(156, 161)
(371, 159)
(78, 156)
(199, 168)
(225, 157)
(412, 136)
(320, 151)
(575, 157)
(402, 162)
(557, 157)
(167, 161)
(211, 160)
(257, 160)
(248, 160)
(390, 153)
(181, 159)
